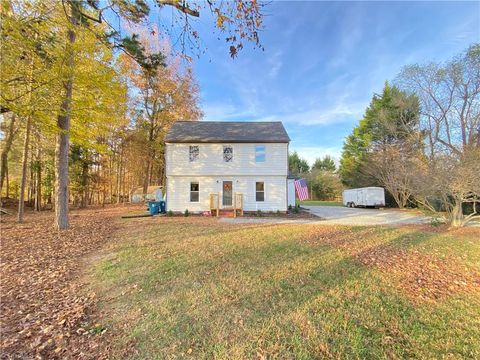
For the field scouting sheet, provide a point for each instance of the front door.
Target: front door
(227, 193)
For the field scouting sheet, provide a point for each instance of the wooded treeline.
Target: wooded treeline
(88, 91)
(119, 113)
(322, 177)
(420, 139)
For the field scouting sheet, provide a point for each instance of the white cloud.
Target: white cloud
(338, 113)
(218, 111)
(275, 63)
(225, 112)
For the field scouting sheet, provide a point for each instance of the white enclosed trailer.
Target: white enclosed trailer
(363, 197)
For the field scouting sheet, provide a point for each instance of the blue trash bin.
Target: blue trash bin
(162, 207)
(153, 207)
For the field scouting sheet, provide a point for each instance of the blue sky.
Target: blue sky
(323, 61)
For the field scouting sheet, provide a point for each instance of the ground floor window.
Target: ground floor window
(259, 191)
(194, 192)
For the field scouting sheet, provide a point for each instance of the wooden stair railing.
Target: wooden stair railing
(215, 203)
(237, 204)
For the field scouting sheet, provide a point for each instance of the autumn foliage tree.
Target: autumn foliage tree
(384, 141)
(163, 95)
(244, 20)
(37, 88)
(421, 138)
(450, 119)
(60, 79)
(394, 167)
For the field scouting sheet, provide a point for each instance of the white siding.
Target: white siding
(178, 192)
(291, 192)
(210, 161)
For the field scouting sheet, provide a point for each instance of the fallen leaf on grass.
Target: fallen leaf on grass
(39, 277)
(422, 276)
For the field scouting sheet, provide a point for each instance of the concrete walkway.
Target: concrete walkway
(266, 220)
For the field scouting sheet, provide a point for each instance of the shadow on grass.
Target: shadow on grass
(232, 292)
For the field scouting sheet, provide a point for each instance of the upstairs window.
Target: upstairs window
(228, 153)
(193, 153)
(259, 191)
(194, 192)
(259, 153)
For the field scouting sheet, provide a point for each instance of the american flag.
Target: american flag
(302, 189)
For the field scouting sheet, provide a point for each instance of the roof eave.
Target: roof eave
(227, 141)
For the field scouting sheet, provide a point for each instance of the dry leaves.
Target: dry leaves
(43, 305)
(422, 277)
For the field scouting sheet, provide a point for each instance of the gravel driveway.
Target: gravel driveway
(359, 216)
(342, 216)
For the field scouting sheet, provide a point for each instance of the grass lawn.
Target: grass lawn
(320, 203)
(191, 287)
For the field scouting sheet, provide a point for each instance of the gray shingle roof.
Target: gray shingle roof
(227, 132)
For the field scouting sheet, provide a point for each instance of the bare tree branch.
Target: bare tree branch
(181, 6)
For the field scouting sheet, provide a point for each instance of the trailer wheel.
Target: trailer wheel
(352, 204)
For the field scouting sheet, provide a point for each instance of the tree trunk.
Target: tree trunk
(61, 162)
(110, 177)
(63, 137)
(31, 185)
(104, 195)
(5, 150)
(146, 177)
(51, 198)
(124, 180)
(150, 157)
(23, 181)
(38, 178)
(85, 182)
(400, 201)
(119, 176)
(7, 195)
(162, 175)
(456, 215)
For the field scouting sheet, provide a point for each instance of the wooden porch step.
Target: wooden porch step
(226, 213)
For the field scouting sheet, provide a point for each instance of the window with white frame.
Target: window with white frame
(193, 153)
(259, 153)
(194, 192)
(259, 191)
(228, 153)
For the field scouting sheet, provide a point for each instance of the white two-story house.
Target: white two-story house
(204, 157)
